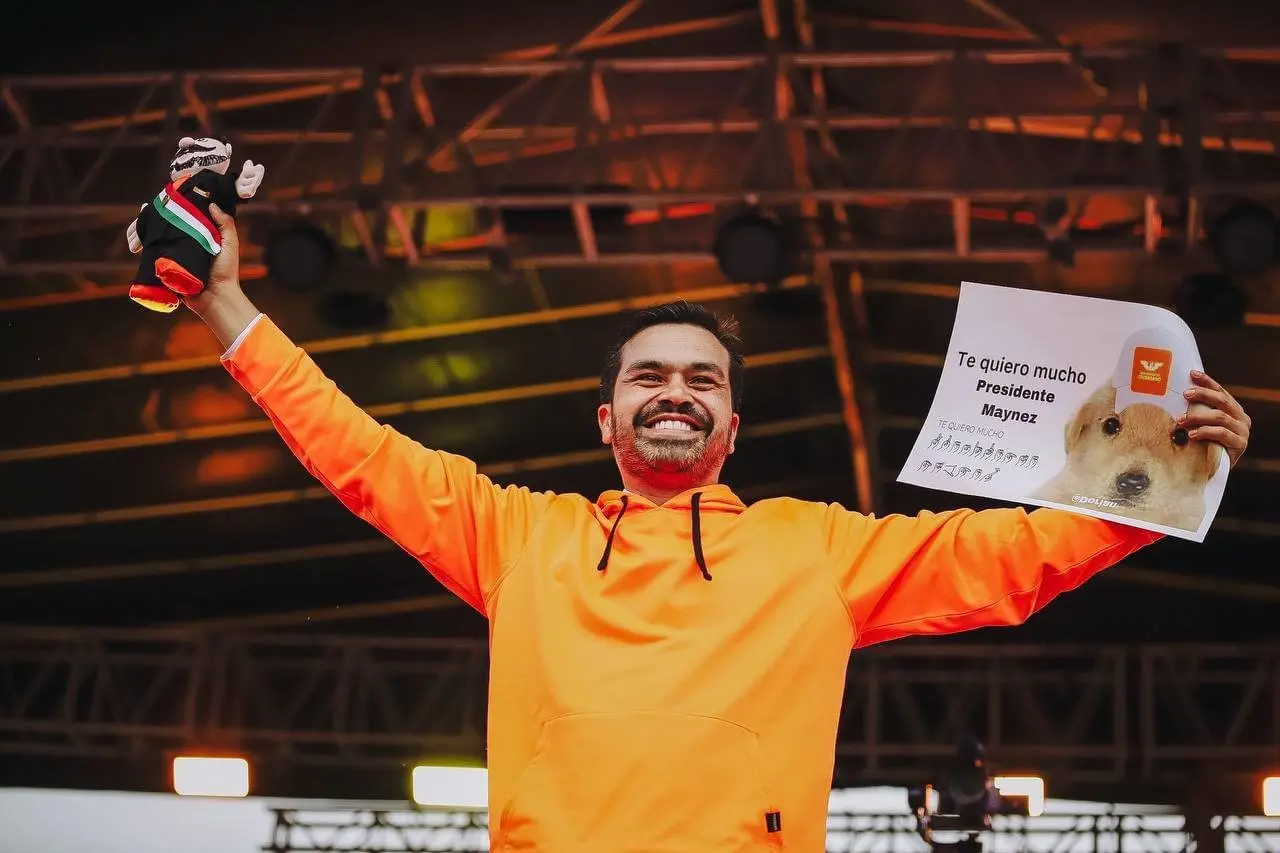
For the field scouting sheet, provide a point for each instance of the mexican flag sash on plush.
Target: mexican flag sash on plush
(186, 217)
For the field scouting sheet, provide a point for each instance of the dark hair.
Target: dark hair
(680, 313)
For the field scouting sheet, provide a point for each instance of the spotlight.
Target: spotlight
(1210, 301)
(451, 787)
(1016, 788)
(207, 776)
(1271, 796)
(754, 248)
(298, 256)
(1244, 238)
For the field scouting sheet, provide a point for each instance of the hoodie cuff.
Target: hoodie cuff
(235, 345)
(258, 354)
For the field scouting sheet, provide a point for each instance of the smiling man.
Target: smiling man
(663, 441)
(668, 664)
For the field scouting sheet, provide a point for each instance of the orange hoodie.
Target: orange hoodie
(667, 678)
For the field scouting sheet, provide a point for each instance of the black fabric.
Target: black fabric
(161, 239)
(185, 251)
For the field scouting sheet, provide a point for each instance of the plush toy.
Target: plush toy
(174, 234)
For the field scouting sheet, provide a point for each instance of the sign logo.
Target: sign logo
(1150, 373)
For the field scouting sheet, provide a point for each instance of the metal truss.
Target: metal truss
(391, 829)
(301, 700)
(374, 830)
(370, 150)
(1082, 717)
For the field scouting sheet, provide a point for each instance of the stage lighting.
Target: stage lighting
(1271, 796)
(299, 255)
(209, 776)
(451, 787)
(1210, 301)
(1029, 788)
(754, 248)
(1244, 238)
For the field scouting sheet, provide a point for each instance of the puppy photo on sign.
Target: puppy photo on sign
(1125, 453)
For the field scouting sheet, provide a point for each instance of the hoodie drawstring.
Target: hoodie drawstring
(697, 537)
(608, 543)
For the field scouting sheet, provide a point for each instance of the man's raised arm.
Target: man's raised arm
(940, 573)
(461, 526)
(943, 573)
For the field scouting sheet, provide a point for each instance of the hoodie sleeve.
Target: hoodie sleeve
(457, 523)
(943, 573)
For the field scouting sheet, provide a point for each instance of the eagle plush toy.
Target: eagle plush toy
(174, 234)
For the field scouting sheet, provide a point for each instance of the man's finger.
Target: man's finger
(226, 224)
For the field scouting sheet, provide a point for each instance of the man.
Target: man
(667, 664)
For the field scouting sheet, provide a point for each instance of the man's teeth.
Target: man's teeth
(674, 425)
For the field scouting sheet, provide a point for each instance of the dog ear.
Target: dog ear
(1100, 404)
(1212, 458)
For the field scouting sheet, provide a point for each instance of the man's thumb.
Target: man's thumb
(219, 217)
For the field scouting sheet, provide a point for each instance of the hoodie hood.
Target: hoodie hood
(717, 497)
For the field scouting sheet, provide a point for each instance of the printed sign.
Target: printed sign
(1070, 402)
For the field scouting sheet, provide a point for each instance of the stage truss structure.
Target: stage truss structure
(1086, 718)
(968, 134)
(880, 157)
(1117, 828)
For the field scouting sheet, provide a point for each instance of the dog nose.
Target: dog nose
(1132, 483)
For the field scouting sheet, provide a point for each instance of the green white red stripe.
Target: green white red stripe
(186, 217)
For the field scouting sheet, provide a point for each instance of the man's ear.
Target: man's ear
(734, 420)
(606, 426)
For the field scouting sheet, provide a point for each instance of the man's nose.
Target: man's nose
(676, 391)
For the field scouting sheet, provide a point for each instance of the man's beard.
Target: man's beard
(679, 454)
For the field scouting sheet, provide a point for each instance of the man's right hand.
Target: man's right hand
(222, 305)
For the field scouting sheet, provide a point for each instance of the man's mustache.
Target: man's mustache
(665, 408)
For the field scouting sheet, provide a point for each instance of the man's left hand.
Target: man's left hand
(1218, 418)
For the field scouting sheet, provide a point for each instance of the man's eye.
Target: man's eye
(648, 377)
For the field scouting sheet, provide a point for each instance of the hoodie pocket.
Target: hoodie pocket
(621, 782)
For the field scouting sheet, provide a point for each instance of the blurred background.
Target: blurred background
(460, 201)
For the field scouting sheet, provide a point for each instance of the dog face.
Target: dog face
(1138, 458)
